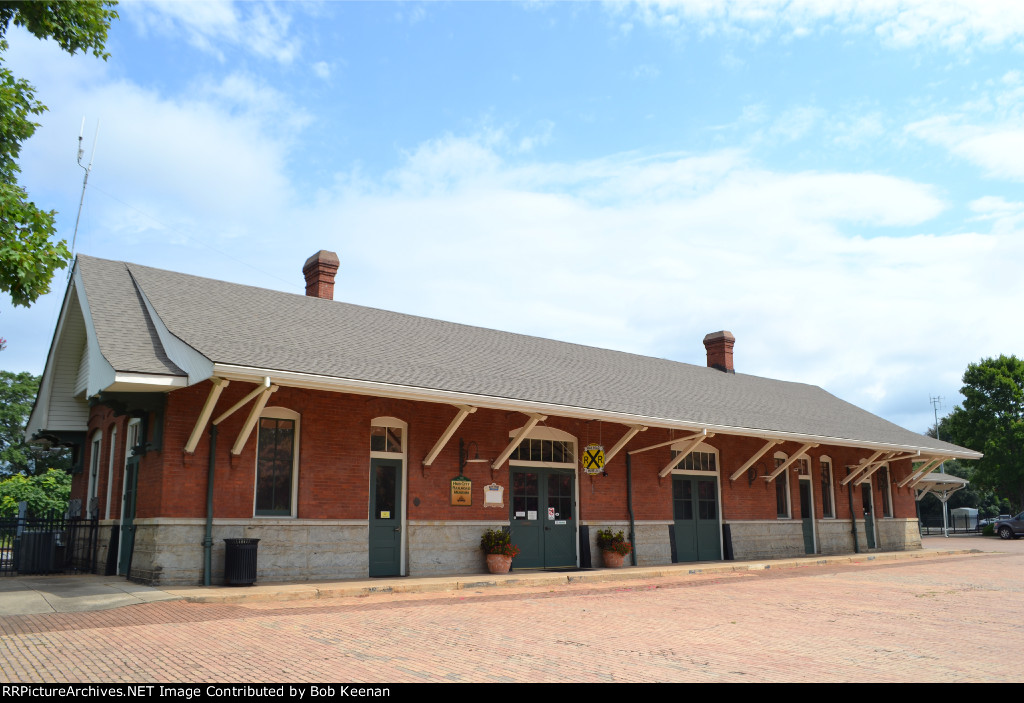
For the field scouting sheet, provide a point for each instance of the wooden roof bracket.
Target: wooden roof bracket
(884, 460)
(263, 390)
(753, 460)
(255, 392)
(913, 484)
(219, 384)
(922, 469)
(534, 419)
(701, 433)
(860, 467)
(464, 412)
(631, 432)
(250, 422)
(790, 461)
(684, 452)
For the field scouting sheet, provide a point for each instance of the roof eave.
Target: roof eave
(433, 395)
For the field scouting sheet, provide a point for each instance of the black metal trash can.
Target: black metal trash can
(240, 561)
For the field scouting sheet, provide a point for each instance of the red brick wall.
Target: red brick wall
(103, 418)
(334, 460)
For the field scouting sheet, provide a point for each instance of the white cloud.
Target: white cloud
(240, 93)
(853, 131)
(795, 123)
(954, 24)
(261, 28)
(997, 148)
(322, 69)
(648, 254)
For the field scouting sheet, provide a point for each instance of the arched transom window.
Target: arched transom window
(387, 436)
(702, 460)
(545, 446)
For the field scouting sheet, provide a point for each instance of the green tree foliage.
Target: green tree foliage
(17, 394)
(45, 494)
(28, 256)
(992, 421)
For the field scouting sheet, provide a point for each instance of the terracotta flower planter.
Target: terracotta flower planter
(612, 560)
(498, 563)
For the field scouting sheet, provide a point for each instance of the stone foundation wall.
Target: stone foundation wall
(834, 536)
(170, 552)
(106, 528)
(652, 544)
(764, 539)
(898, 534)
(437, 548)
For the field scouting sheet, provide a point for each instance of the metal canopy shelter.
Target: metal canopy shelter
(942, 486)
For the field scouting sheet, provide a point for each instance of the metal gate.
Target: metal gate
(53, 544)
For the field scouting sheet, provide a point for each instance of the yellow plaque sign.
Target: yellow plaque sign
(462, 491)
(593, 459)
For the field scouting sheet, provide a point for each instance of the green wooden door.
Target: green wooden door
(807, 516)
(385, 517)
(128, 503)
(697, 528)
(543, 518)
(869, 522)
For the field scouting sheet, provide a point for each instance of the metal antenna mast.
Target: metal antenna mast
(85, 180)
(936, 404)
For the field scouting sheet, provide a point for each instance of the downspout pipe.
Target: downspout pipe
(629, 505)
(208, 538)
(853, 518)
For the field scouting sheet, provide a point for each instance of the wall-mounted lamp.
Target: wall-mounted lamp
(464, 455)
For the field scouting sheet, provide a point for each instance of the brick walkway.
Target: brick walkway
(941, 619)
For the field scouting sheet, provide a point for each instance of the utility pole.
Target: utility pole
(936, 402)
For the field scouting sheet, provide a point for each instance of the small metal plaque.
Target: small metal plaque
(494, 495)
(462, 491)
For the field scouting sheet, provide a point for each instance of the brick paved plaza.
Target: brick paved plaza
(952, 618)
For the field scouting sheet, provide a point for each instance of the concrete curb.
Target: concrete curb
(284, 592)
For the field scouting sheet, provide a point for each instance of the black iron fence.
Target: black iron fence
(962, 524)
(52, 544)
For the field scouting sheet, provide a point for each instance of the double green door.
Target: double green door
(385, 517)
(543, 518)
(697, 529)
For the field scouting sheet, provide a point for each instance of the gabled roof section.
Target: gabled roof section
(126, 335)
(267, 330)
(105, 340)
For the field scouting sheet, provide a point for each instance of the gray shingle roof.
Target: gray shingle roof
(126, 335)
(255, 327)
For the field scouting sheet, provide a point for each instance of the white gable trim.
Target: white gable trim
(100, 373)
(63, 365)
(186, 358)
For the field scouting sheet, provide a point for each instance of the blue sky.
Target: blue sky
(836, 183)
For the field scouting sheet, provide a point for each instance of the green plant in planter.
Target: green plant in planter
(609, 541)
(498, 542)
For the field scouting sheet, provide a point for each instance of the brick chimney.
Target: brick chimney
(719, 346)
(319, 271)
